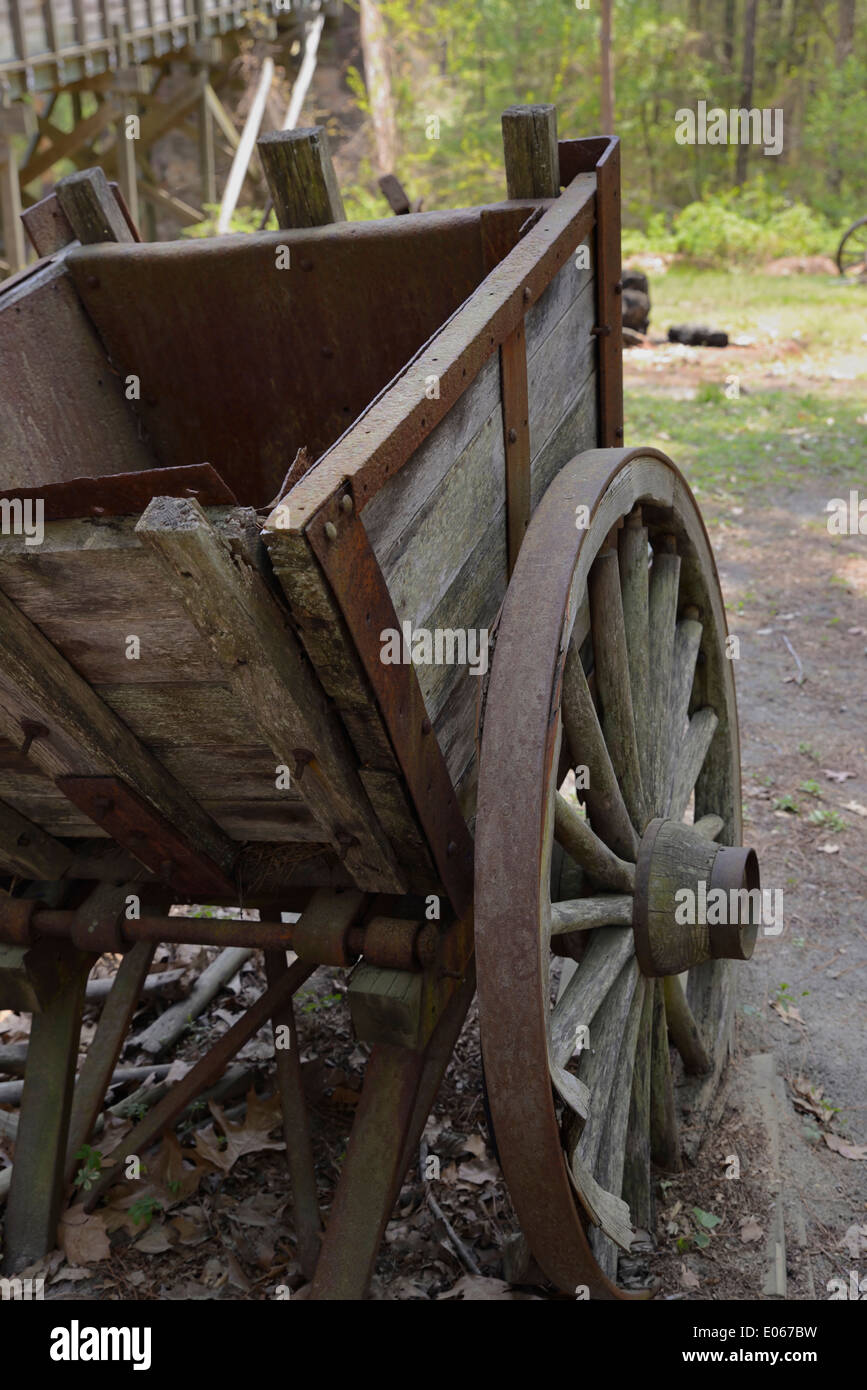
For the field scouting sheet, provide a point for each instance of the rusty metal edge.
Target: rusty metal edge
(358, 584)
(609, 311)
(126, 494)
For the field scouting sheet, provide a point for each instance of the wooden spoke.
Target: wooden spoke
(662, 611)
(709, 826)
(637, 1189)
(683, 1029)
(612, 1151)
(687, 640)
(613, 681)
(634, 589)
(664, 1137)
(576, 837)
(599, 1062)
(690, 760)
(606, 955)
(602, 796)
(580, 914)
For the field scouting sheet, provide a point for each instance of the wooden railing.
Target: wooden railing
(47, 43)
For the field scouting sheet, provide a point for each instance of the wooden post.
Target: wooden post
(40, 1149)
(14, 246)
(301, 177)
(126, 159)
(296, 1123)
(207, 155)
(530, 144)
(91, 208)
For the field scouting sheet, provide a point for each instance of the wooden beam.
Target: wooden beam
(530, 149)
(29, 850)
(65, 144)
(233, 609)
(40, 1147)
(10, 209)
(186, 214)
(86, 737)
(301, 177)
(47, 226)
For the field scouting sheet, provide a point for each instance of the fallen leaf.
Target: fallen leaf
(72, 1273)
(478, 1172)
(475, 1287)
(82, 1236)
(189, 1232)
(688, 1278)
(249, 1137)
(706, 1218)
(856, 807)
(855, 1241)
(840, 1146)
(836, 776)
(828, 849)
(476, 1146)
(789, 1015)
(155, 1241)
(750, 1229)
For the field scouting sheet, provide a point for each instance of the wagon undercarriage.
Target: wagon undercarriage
(267, 453)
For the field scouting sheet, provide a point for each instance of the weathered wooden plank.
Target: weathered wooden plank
(637, 1189)
(516, 439)
(180, 714)
(560, 365)
(391, 511)
(232, 607)
(26, 849)
(568, 285)
(62, 407)
(86, 737)
(574, 432)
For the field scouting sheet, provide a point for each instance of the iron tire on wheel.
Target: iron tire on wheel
(585, 610)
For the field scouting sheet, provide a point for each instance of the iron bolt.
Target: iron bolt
(330, 531)
(513, 436)
(346, 503)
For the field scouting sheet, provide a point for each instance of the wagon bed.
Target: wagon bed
(257, 456)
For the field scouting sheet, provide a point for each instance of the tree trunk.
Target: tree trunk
(729, 23)
(374, 46)
(845, 30)
(607, 70)
(747, 70)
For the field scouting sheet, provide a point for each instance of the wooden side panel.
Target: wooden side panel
(90, 587)
(438, 528)
(63, 410)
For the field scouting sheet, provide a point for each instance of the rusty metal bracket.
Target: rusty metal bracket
(126, 494)
(340, 542)
(134, 824)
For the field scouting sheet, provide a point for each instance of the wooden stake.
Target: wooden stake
(91, 208)
(301, 177)
(530, 148)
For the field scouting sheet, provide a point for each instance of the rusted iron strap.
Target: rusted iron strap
(582, 156)
(609, 310)
(203, 1074)
(141, 830)
(126, 494)
(340, 543)
(516, 438)
(384, 437)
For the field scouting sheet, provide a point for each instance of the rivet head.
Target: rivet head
(331, 531)
(346, 503)
(513, 436)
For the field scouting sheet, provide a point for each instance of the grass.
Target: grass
(770, 439)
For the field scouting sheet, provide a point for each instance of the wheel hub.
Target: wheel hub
(694, 900)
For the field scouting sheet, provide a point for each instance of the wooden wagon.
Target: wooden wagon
(226, 682)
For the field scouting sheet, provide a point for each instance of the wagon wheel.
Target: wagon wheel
(576, 1135)
(852, 251)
